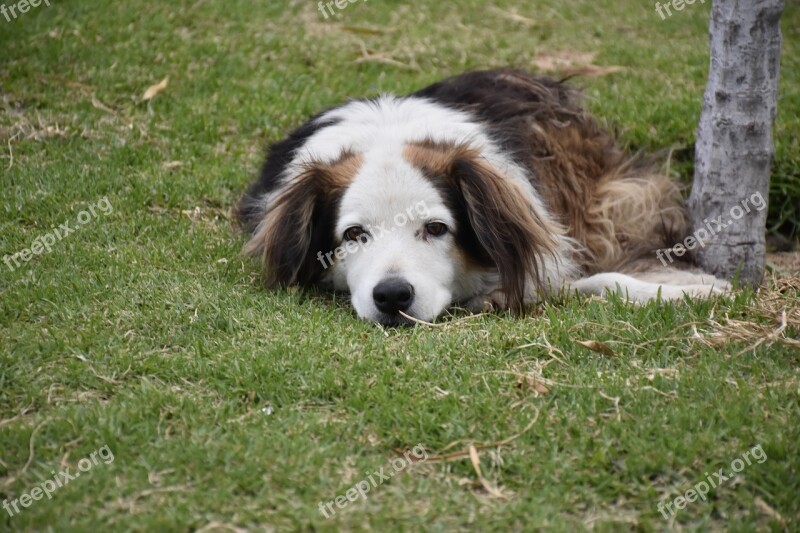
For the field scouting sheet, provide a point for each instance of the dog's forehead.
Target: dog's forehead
(387, 186)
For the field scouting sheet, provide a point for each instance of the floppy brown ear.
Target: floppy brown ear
(505, 224)
(297, 224)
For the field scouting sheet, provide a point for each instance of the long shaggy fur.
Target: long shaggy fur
(613, 204)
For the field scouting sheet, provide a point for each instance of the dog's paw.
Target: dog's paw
(677, 292)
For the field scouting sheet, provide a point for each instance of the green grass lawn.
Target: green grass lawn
(227, 407)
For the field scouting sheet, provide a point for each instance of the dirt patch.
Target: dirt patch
(785, 263)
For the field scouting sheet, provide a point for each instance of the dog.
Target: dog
(488, 190)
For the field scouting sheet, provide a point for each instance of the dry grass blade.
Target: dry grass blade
(16, 417)
(154, 90)
(592, 70)
(551, 350)
(97, 104)
(570, 63)
(11, 151)
(419, 321)
(769, 511)
(463, 454)
(365, 30)
(382, 57)
(560, 59)
(129, 502)
(597, 346)
(476, 464)
(31, 453)
(221, 526)
(615, 400)
(515, 17)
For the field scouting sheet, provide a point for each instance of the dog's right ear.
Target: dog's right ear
(502, 227)
(295, 224)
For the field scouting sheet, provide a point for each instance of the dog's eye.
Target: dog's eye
(355, 233)
(437, 229)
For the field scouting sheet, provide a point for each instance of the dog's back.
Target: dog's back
(618, 208)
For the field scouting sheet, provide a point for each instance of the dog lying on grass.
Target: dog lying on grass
(492, 189)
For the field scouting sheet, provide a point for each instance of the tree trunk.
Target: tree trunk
(734, 149)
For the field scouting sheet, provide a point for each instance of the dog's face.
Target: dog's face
(407, 232)
(398, 240)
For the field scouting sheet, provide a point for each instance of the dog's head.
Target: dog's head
(409, 232)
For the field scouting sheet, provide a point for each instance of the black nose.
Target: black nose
(392, 295)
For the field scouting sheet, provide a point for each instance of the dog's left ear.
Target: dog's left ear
(296, 225)
(506, 224)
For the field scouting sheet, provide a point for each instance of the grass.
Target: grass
(226, 406)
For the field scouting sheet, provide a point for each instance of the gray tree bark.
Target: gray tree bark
(734, 149)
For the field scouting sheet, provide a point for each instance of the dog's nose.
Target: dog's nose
(392, 295)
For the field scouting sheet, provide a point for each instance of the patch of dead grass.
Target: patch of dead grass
(772, 318)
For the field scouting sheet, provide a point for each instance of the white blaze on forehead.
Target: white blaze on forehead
(388, 124)
(390, 121)
(388, 190)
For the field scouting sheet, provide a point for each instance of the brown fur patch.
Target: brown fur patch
(498, 226)
(344, 170)
(432, 156)
(614, 206)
